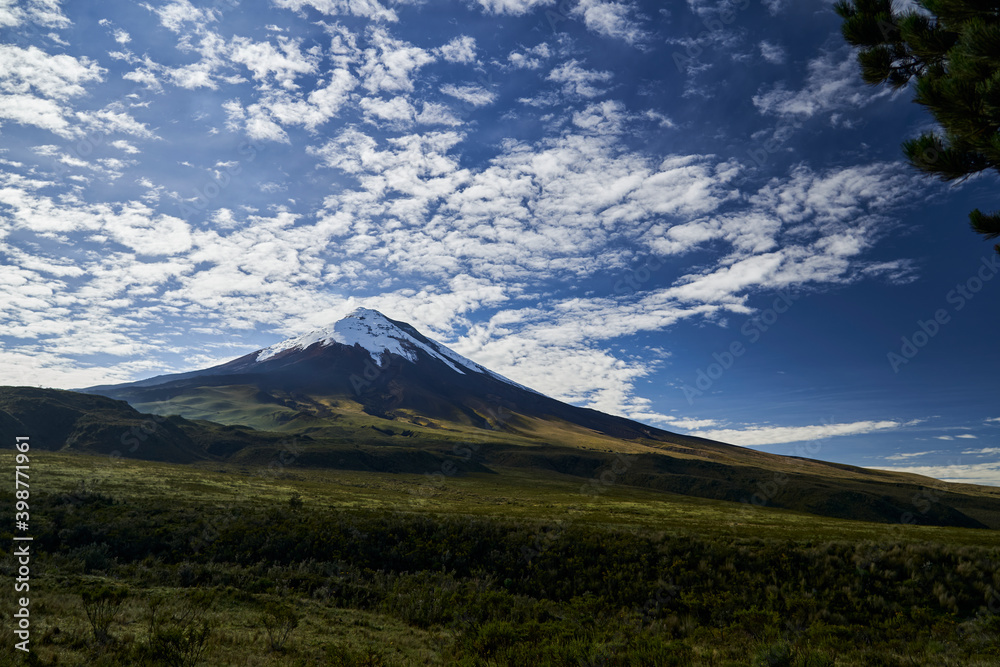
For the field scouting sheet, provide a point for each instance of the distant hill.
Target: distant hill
(66, 420)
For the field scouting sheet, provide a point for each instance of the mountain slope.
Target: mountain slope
(378, 386)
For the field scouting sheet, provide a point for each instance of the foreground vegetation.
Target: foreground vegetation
(154, 564)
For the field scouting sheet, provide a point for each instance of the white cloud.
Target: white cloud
(475, 95)
(46, 13)
(573, 373)
(260, 126)
(284, 62)
(772, 53)
(774, 6)
(174, 15)
(136, 227)
(514, 7)
(29, 365)
(611, 19)
(837, 195)
(144, 76)
(437, 114)
(236, 115)
(944, 437)
(131, 224)
(30, 110)
(690, 424)
(773, 435)
(278, 108)
(967, 436)
(604, 118)
(579, 81)
(982, 452)
(396, 110)
(459, 50)
(389, 63)
(31, 71)
(659, 118)
(903, 456)
(974, 473)
(371, 9)
(125, 146)
(48, 150)
(529, 58)
(833, 83)
(113, 119)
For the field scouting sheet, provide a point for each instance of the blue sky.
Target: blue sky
(693, 214)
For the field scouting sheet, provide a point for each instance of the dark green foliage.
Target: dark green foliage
(954, 57)
(595, 595)
(180, 645)
(178, 635)
(102, 605)
(349, 657)
(986, 224)
(779, 654)
(278, 620)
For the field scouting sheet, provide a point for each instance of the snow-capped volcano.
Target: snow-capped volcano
(386, 367)
(379, 336)
(365, 327)
(364, 355)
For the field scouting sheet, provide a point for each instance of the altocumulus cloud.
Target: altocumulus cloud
(486, 185)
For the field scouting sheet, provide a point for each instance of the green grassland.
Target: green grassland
(337, 434)
(212, 562)
(523, 495)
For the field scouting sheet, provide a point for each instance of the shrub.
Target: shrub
(102, 607)
(181, 645)
(278, 620)
(343, 656)
(778, 654)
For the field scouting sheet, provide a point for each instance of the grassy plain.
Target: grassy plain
(361, 568)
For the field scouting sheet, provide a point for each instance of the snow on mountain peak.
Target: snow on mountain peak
(365, 327)
(374, 332)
